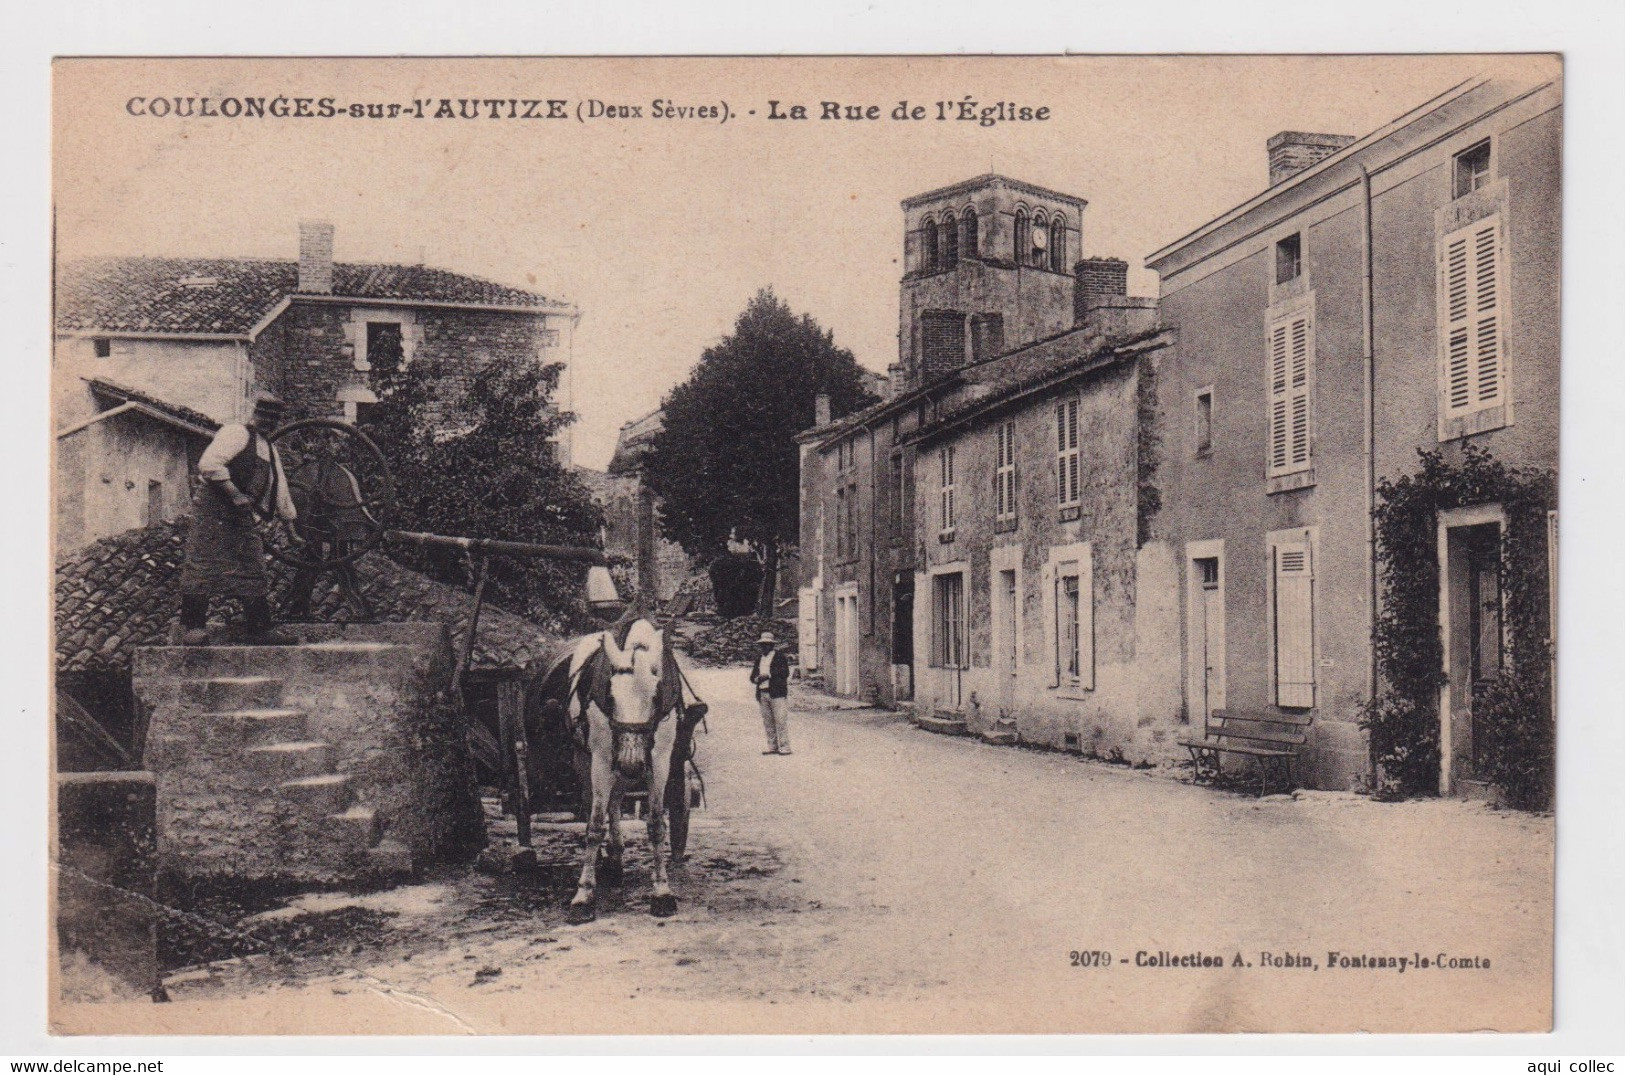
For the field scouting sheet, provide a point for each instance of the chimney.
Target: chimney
(821, 410)
(1293, 151)
(1097, 279)
(315, 257)
(894, 380)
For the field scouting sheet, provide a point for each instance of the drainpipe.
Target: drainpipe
(1370, 370)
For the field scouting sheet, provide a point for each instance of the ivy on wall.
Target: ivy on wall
(1512, 710)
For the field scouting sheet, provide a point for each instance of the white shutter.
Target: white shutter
(1086, 619)
(1472, 337)
(1294, 625)
(1291, 381)
(1051, 589)
(807, 628)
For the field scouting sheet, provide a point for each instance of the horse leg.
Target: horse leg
(613, 871)
(583, 907)
(662, 903)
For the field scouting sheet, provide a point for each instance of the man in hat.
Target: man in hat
(240, 484)
(771, 675)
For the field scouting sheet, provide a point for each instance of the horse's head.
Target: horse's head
(635, 672)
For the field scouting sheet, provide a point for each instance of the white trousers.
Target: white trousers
(775, 721)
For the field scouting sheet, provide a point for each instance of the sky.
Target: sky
(661, 229)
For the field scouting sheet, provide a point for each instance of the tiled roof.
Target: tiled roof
(118, 393)
(123, 592)
(229, 296)
(1034, 368)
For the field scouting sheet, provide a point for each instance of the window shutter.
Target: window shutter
(1086, 619)
(1050, 583)
(1291, 379)
(1294, 626)
(807, 633)
(1472, 340)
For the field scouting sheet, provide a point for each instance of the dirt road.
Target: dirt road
(885, 879)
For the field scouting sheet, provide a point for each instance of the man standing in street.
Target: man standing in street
(771, 675)
(240, 483)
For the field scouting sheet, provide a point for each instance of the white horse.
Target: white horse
(620, 696)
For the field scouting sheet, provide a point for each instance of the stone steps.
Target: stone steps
(264, 727)
(228, 693)
(296, 759)
(326, 794)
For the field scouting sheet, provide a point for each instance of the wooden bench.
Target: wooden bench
(1271, 739)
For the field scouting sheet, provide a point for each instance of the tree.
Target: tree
(725, 464)
(477, 461)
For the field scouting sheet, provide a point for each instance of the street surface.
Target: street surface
(885, 879)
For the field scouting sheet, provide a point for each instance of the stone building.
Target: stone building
(658, 567)
(1383, 295)
(205, 334)
(993, 298)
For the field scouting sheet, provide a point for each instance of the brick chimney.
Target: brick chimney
(1293, 151)
(315, 257)
(821, 409)
(1097, 279)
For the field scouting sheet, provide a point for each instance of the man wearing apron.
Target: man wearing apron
(240, 483)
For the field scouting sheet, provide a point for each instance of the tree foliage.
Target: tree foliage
(1512, 711)
(475, 460)
(725, 465)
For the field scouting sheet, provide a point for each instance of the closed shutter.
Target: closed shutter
(1291, 377)
(807, 628)
(1086, 619)
(1066, 440)
(947, 460)
(1294, 625)
(1004, 473)
(1472, 337)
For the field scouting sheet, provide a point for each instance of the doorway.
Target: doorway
(1205, 637)
(846, 642)
(902, 635)
(1471, 615)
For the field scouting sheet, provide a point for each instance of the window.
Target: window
(1019, 253)
(155, 502)
(1071, 571)
(946, 460)
(1057, 245)
(986, 336)
(950, 241)
(1038, 241)
(1291, 376)
(1472, 169)
(1294, 623)
(968, 244)
(385, 346)
(364, 412)
(948, 620)
(1289, 258)
(1067, 492)
(103, 346)
(928, 234)
(1204, 421)
(1004, 472)
(1472, 337)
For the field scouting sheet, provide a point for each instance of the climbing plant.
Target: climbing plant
(1512, 709)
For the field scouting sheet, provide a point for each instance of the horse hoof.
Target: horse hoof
(611, 873)
(580, 913)
(663, 906)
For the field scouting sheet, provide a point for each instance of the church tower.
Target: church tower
(988, 266)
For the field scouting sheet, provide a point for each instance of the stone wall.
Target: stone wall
(323, 762)
(106, 887)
